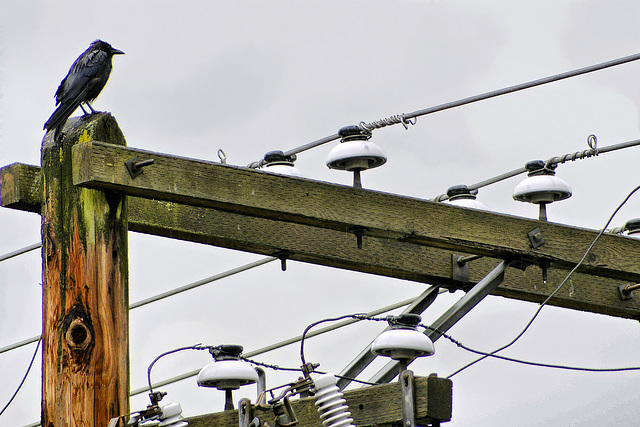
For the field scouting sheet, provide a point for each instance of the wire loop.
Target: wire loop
(222, 156)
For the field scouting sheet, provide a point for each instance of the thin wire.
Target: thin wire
(469, 100)
(279, 344)
(20, 344)
(359, 316)
(202, 282)
(267, 365)
(525, 362)
(164, 295)
(20, 251)
(552, 161)
(533, 318)
(522, 86)
(24, 378)
(191, 347)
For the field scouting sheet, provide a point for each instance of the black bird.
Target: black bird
(83, 83)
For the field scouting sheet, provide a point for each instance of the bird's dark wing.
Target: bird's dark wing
(91, 69)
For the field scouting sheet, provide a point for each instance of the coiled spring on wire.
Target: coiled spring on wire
(592, 142)
(388, 121)
(330, 404)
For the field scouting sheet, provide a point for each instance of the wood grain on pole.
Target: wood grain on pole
(85, 363)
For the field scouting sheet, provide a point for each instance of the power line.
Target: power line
(526, 362)
(592, 152)
(20, 344)
(557, 289)
(202, 282)
(24, 378)
(20, 251)
(405, 118)
(279, 344)
(163, 295)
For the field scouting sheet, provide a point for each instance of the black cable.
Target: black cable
(191, 347)
(267, 365)
(535, 315)
(526, 362)
(24, 378)
(359, 316)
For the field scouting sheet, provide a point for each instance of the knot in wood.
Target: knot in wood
(78, 335)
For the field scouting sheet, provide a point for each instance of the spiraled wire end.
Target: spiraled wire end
(388, 121)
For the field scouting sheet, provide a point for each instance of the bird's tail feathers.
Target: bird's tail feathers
(60, 116)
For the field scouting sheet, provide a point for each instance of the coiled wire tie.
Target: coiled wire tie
(592, 142)
(388, 121)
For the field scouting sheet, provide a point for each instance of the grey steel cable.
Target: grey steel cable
(405, 119)
(164, 295)
(20, 251)
(522, 86)
(578, 155)
(193, 285)
(20, 344)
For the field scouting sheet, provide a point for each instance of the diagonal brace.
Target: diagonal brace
(483, 288)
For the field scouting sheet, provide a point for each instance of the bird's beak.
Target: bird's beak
(116, 52)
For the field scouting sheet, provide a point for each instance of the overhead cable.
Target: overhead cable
(593, 151)
(24, 378)
(20, 251)
(405, 118)
(279, 344)
(557, 289)
(165, 295)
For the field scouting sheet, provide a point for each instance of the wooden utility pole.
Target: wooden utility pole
(85, 362)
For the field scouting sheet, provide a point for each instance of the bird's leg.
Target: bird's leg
(83, 110)
(90, 107)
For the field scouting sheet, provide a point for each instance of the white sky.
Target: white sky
(250, 77)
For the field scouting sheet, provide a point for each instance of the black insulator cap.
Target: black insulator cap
(539, 167)
(278, 156)
(353, 132)
(406, 320)
(633, 225)
(534, 165)
(229, 351)
(458, 190)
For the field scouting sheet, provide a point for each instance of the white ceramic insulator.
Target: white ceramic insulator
(172, 416)
(330, 402)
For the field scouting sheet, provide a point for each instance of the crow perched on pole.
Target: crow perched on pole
(83, 83)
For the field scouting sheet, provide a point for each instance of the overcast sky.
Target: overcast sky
(252, 76)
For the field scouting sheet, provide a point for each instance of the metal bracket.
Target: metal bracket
(481, 289)
(459, 270)
(536, 238)
(244, 412)
(408, 399)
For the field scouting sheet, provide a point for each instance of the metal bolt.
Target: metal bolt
(135, 167)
